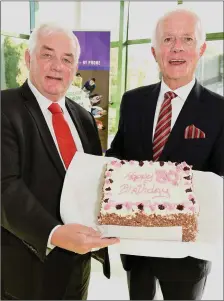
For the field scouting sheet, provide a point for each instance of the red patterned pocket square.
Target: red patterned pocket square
(192, 132)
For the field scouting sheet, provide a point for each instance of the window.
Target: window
(142, 68)
(101, 16)
(144, 15)
(210, 69)
(113, 102)
(210, 12)
(64, 13)
(15, 17)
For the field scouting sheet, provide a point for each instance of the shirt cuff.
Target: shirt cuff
(49, 245)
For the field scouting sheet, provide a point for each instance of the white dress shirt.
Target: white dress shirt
(44, 103)
(177, 102)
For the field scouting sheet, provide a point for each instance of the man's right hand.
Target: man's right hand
(79, 239)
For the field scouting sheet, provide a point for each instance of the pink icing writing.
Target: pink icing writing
(132, 176)
(162, 176)
(142, 189)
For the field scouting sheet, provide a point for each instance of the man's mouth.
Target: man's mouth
(54, 78)
(177, 62)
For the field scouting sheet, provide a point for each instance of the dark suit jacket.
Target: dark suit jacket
(202, 108)
(32, 179)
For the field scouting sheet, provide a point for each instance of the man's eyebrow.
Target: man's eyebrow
(52, 49)
(47, 48)
(69, 54)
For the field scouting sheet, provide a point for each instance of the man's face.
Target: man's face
(177, 51)
(91, 82)
(52, 65)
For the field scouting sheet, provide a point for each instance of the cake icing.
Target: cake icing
(155, 192)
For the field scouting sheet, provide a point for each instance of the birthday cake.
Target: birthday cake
(150, 194)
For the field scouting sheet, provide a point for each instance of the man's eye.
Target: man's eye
(188, 39)
(46, 55)
(167, 40)
(67, 61)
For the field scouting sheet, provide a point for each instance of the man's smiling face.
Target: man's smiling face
(52, 65)
(177, 50)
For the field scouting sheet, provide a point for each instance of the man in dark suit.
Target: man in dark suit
(41, 131)
(154, 126)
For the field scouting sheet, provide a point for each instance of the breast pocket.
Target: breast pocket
(199, 142)
(197, 151)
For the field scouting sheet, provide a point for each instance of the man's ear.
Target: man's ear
(202, 49)
(153, 53)
(27, 58)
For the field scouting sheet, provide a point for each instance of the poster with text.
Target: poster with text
(90, 87)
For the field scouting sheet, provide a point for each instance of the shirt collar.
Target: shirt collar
(44, 102)
(181, 92)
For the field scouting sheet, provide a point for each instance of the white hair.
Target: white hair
(49, 28)
(200, 33)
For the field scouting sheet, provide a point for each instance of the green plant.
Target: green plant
(15, 70)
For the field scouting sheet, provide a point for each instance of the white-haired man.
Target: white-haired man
(168, 114)
(41, 131)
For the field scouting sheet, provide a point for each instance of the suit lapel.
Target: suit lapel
(187, 116)
(78, 124)
(149, 108)
(35, 111)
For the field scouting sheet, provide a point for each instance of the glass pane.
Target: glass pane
(101, 16)
(210, 12)
(13, 67)
(59, 12)
(144, 15)
(142, 68)
(15, 17)
(113, 93)
(210, 68)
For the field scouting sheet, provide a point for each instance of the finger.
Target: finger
(102, 242)
(87, 230)
(110, 241)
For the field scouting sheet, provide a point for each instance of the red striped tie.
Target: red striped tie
(163, 126)
(63, 134)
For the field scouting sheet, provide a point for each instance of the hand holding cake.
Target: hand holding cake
(79, 238)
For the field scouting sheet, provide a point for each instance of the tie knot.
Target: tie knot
(54, 108)
(170, 95)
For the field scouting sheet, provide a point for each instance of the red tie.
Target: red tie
(163, 126)
(63, 134)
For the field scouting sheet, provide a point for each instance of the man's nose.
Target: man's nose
(56, 64)
(178, 45)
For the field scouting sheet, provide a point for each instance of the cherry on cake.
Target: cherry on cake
(150, 194)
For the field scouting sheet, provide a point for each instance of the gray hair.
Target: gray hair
(49, 28)
(200, 33)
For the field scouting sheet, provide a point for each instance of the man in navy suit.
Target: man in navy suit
(41, 129)
(195, 134)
